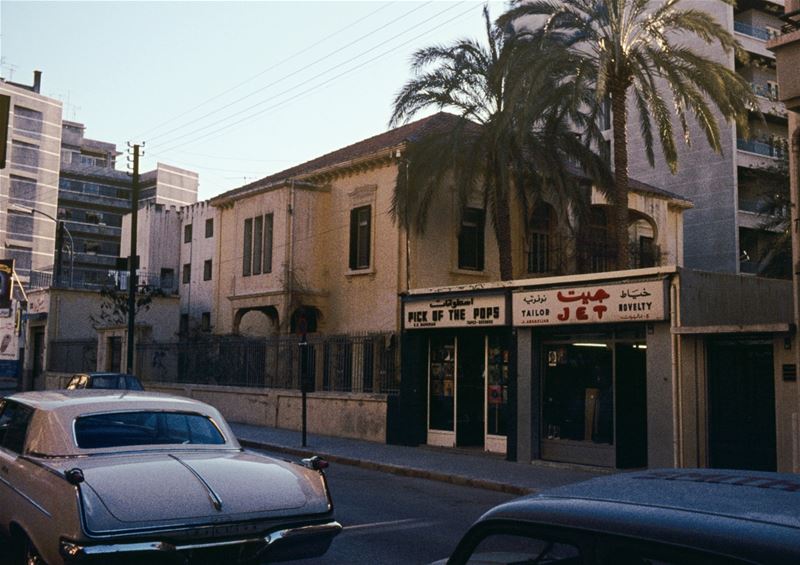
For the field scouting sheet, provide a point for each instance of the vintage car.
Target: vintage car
(102, 476)
(104, 380)
(659, 517)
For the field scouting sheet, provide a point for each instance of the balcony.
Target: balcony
(761, 33)
(775, 149)
(87, 279)
(754, 38)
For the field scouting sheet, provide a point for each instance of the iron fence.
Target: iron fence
(72, 356)
(341, 363)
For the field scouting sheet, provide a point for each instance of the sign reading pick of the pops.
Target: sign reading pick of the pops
(455, 312)
(600, 304)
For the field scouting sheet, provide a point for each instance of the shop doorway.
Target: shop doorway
(741, 404)
(631, 394)
(469, 390)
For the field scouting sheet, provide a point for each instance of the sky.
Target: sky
(232, 90)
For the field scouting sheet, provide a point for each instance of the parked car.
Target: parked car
(659, 517)
(92, 476)
(104, 380)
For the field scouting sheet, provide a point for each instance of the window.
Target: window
(470, 240)
(539, 241)
(247, 256)
(25, 156)
(167, 279)
(14, 420)
(267, 244)
(257, 256)
(145, 428)
(184, 325)
(187, 233)
(21, 188)
(207, 270)
(28, 122)
(205, 321)
(187, 273)
(360, 233)
(209, 227)
(258, 234)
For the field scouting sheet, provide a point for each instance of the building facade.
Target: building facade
(729, 229)
(30, 178)
(94, 196)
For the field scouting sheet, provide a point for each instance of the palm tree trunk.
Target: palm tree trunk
(503, 234)
(619, 221)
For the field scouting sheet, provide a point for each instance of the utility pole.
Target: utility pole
(132, 263)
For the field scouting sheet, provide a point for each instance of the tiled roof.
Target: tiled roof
(370, 146)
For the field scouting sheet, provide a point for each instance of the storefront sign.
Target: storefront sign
(460, 312)
(613, 302)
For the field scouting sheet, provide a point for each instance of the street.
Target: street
(390, 519)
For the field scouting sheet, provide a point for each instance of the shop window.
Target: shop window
(470, 240)
(578, 393)
(360, 235)
(497, 387)
(442, 383)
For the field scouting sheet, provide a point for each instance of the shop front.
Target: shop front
(462, 344)
(590, 346)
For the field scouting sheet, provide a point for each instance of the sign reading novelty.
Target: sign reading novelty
(613, 302)
(459, 312)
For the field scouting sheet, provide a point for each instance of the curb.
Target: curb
(400, 470)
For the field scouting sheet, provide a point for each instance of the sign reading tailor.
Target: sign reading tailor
(461, 312)
(613, 302)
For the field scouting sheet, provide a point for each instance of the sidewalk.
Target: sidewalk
(480, 470)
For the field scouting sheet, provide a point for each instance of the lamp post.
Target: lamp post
(60, 224)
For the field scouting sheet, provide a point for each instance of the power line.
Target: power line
(307, 91)
(282, 62)
(291, 74)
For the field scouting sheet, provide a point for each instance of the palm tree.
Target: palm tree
(498, 143)
(637, 48)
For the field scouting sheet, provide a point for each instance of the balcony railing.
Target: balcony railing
(98, 280)
(752, 31)
(775, 149)
(765, 90)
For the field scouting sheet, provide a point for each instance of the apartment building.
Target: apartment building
(30, 179)
(93, 197)
(727, 229)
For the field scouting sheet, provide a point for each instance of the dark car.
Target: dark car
(104, 381)
(659, 517)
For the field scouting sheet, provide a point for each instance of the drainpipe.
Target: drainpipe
(677, 432)
(290, 259)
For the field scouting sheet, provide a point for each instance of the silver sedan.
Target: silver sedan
(99, 476)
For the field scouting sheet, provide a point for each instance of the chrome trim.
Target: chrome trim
(33, 503)
(75, 550)
(215, 499)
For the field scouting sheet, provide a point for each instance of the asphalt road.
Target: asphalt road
(390, 519)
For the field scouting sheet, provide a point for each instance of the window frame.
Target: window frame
(208, 269)
(472, 230)
(187, 233)
(186, 274)
(209, 227)
(360, 246)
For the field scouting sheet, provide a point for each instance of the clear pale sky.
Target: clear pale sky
(233, 90)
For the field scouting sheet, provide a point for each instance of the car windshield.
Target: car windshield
(108, 381)
(120, 429)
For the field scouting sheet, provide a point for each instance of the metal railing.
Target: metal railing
(89, 279)
(768, 149)
(752, 31)
(344, 363)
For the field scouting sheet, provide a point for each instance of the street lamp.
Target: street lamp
(29, 210)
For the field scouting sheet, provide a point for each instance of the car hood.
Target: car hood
(194, 487)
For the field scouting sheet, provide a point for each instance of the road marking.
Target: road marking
(407, 524)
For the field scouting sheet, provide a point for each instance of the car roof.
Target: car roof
(57, 409)
(729, 511)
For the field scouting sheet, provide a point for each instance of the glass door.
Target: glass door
(441, 390)
(496, 394)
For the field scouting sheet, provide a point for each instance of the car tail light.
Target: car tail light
(317, 463)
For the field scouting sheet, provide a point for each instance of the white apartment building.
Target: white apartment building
(30, 179)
